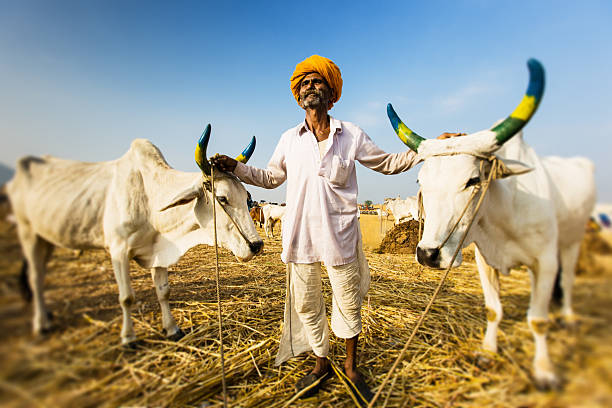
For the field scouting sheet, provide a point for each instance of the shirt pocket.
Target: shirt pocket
(340, 171)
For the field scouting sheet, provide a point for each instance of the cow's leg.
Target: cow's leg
(36, 251)
(121, 266)
(160, 280)
(489, 279)
(542, 282)
(569, 257)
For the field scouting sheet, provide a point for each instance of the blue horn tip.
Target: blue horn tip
(395, 120)
(205, 136)
(537, 78)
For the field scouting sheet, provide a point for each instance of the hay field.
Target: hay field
(81, 364)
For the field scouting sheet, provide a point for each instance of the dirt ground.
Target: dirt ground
(374, 229)
(81, 363)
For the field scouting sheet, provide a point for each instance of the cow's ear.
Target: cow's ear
(185, 197)
(512, 168)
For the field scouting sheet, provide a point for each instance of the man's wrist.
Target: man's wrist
(239, 169)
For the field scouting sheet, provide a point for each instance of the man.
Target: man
(317, 158)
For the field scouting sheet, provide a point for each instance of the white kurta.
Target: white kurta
(321, 223)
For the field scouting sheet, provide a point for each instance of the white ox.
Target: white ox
(272, 213)
(137, 207)
(381, 213)
(403, 210)
(536, 218)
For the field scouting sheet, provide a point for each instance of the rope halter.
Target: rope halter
(496, 171)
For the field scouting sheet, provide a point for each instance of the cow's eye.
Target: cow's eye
(222, 200)
(472, 182)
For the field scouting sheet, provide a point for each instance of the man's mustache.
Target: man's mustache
(314, 92)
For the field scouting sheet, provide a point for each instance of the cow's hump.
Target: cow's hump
(148, 153)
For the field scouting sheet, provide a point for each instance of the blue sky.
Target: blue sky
(81, 79)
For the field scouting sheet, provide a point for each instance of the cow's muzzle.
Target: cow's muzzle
(429, 257)
(256, 247)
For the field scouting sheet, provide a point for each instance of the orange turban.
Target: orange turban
(322, 66)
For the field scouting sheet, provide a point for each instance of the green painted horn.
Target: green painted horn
(525, 110)
(410, 139)
(200, 151)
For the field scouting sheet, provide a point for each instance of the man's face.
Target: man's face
(314, 92)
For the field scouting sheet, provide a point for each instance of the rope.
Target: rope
(215, 198)
(212, 183)
(495, 167)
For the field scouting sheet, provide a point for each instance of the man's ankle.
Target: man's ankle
(351, 370)
(321, 366)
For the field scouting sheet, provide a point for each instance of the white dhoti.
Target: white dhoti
(305, 323)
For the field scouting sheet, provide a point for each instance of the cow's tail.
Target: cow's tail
(24, 282)
(7, 213)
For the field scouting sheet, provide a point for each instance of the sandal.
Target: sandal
(360, 392)
(310, 384)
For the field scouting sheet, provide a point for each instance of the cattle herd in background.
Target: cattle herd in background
(267, 215)
(404, 210)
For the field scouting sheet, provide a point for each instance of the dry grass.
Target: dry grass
(82, 365)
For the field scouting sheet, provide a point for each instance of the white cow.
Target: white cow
(536, 218)
(137, 207)
(403, 210)
(381, 213)
(272, 213)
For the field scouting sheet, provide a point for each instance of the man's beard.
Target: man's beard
(315, 101)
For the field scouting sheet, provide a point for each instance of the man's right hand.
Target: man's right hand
(223, 162)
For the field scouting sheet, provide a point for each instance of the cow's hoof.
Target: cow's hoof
(548, 383)
(45, 330)
(484, 362)
(570, 323)
(179, 334)
(43, 334)
(133, 345)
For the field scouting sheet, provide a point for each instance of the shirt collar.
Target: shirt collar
(333, 124)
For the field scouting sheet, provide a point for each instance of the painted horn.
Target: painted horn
(410, 139)
(200, 151)
(247, 152)
(525, 110)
